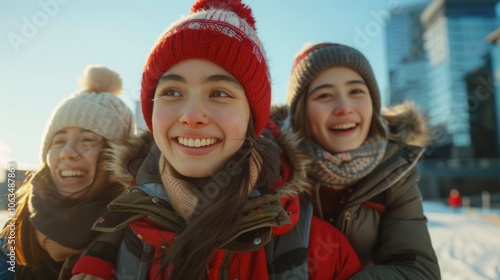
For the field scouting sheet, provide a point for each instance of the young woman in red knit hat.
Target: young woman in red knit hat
(363, 163)
(211, 201)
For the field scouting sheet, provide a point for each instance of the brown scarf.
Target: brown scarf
(184, 196)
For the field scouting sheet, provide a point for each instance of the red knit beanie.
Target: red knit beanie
(224, 33)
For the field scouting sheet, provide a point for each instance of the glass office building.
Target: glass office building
(494, 39)
(454, 40)
(407, 60)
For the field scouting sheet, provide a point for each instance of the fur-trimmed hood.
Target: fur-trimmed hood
(407, 123)
(296, 161)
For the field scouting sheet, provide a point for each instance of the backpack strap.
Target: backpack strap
(287, 254)
(134, 259)
(135, 256)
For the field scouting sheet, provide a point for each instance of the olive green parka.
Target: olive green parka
(383, 217)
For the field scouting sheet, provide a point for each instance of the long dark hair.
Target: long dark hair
(210, 226)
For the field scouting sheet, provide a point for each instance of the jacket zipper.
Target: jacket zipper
(345, 222)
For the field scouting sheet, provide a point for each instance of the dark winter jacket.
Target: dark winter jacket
(10, 269)
(382, 214)
(149, 221)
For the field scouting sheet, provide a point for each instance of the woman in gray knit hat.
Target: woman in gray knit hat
(363, 161)
(85, 142)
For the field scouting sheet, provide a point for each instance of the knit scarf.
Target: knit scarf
(340, 170)
(184, 196)
(60, 232)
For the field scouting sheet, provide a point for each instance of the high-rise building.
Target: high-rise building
(454, 40)
(407, 60)
(494, 79)
(482, 115)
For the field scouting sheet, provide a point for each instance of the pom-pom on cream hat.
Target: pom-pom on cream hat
(95, 107)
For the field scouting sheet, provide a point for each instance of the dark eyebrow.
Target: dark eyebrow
(172, 77)
(209, 79)
(351, 82)
(222, 77)
(319, 87)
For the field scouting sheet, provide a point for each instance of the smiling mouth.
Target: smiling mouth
(196, 142)
(343, 127)
(72, 174)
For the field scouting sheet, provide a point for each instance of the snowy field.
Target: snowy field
(467, 243)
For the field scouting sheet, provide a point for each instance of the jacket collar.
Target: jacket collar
(398, 161)
(263, 212)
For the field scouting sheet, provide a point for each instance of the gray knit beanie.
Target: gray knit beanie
(96, 108)
(314, 59)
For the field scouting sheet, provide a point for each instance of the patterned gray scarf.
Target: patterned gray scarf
(340, 170)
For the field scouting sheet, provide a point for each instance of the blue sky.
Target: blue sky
(46, 44)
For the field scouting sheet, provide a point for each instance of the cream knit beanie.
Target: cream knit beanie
(96, 108)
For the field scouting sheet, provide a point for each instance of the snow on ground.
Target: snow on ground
(467, 243)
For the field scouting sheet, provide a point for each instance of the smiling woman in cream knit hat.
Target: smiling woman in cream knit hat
(96, 108)
(86, 142)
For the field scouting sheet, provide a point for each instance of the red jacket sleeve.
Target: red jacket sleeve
(330, 255)
(94, 266)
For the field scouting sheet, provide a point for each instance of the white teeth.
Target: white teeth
(72, 173)
(190, 142)
(344, 126)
